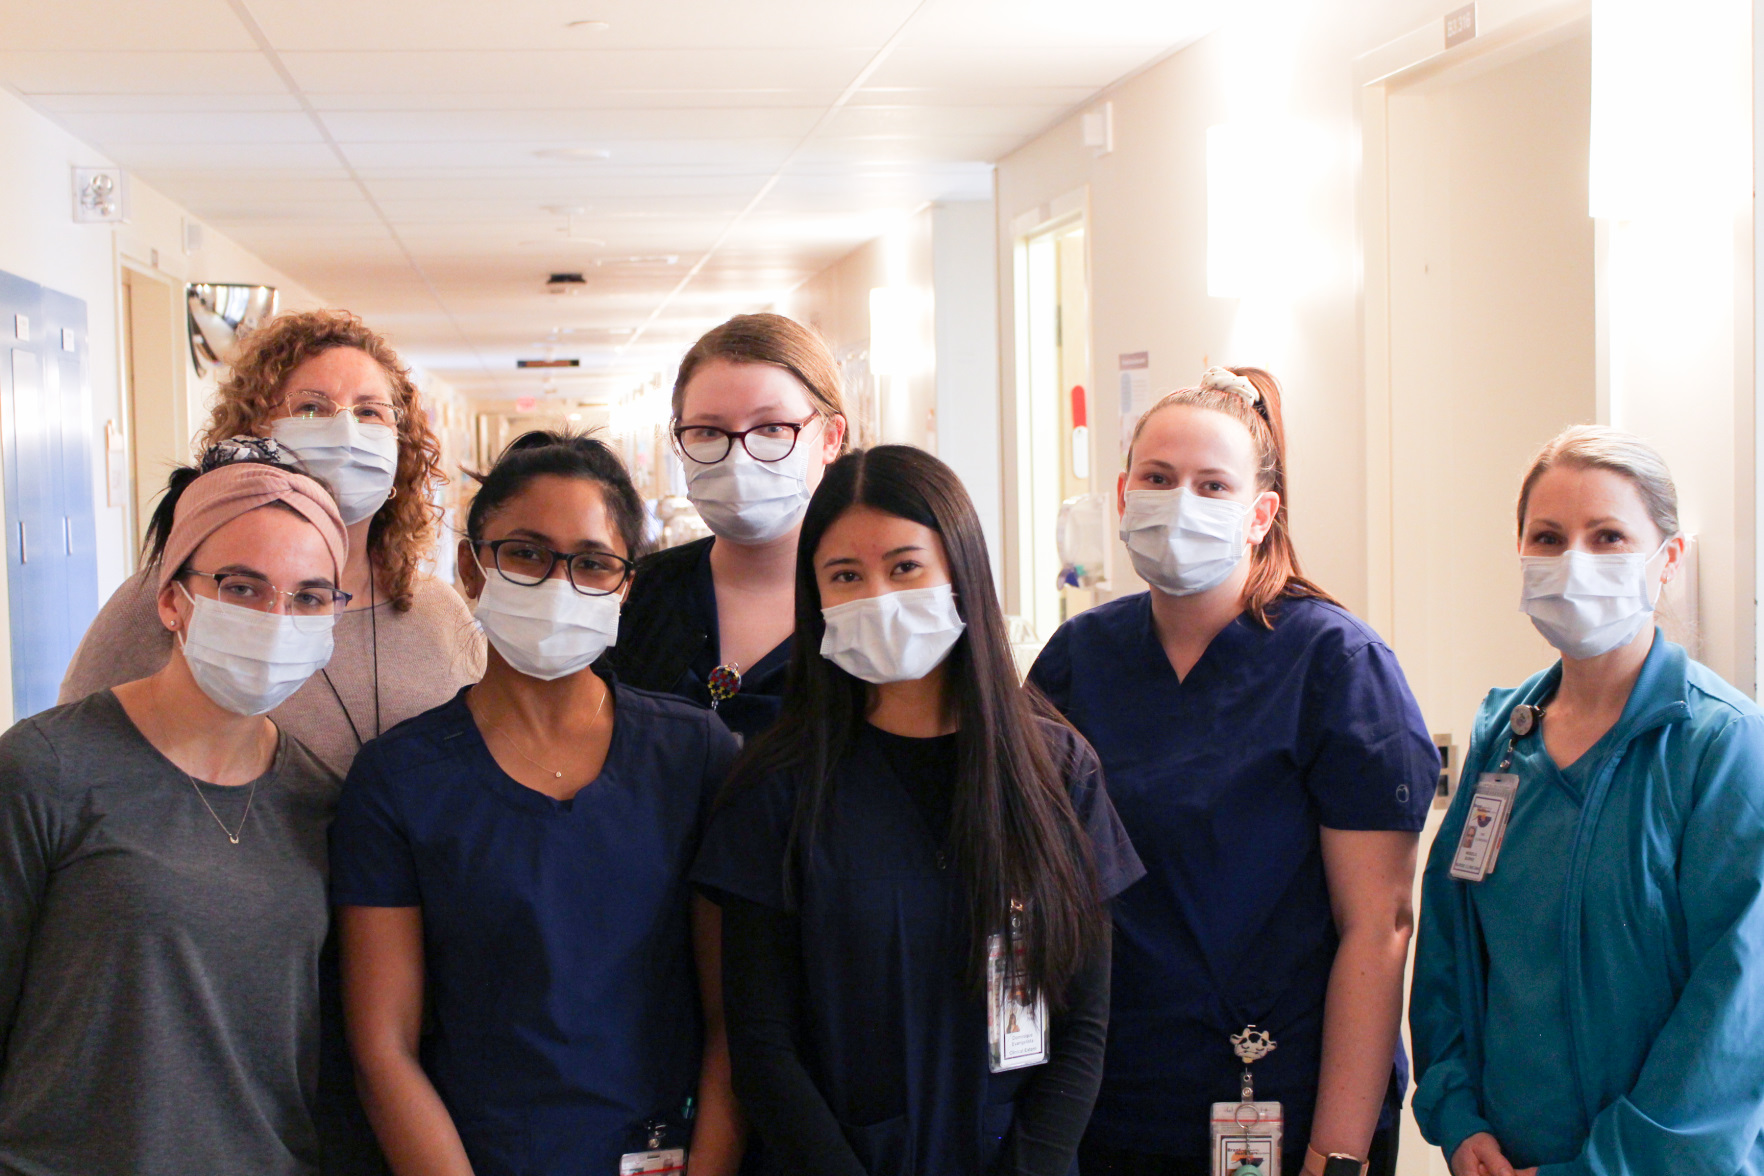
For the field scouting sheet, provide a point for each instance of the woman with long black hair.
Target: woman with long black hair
(912, 864)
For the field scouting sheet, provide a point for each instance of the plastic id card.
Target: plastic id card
(667, 1159)
(1246, 1138)
(1016, 1027)
(1485, 827)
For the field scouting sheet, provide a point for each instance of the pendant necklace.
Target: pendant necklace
(555, 774)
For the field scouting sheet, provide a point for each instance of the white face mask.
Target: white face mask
(248, 661)
(895, 637)
(1584, 604)
(548, 630)
(747, 501)
(1181, 542)
(359, 461)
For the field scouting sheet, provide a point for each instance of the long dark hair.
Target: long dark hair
(1014, 834)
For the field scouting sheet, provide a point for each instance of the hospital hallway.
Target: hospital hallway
(1450, 232)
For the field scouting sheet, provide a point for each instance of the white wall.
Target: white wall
(943, 261)
(964, 266)
(39, 241)
(1302, 69)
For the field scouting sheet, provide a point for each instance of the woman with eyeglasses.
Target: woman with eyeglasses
(757, 417)
(162, 863)
(322, 391)
(515, 861)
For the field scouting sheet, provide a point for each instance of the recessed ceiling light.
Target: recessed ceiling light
(564, 209)
(573, 153)
(588, 26)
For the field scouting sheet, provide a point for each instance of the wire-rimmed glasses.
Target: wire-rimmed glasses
(769, 442)
(592, 573)
(313, 406)
(252, 591)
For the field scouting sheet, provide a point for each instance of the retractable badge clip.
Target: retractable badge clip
(1246, 1134)
(1491, 808)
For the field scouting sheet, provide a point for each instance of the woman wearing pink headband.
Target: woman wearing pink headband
(162, 863)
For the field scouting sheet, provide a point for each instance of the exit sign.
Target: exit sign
(1460, 26)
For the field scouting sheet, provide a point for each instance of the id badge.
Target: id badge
(1246, 1138)
(667, 1159)
(1485, 827)
(1016, 1027)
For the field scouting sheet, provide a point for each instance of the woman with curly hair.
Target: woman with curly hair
(322, 390)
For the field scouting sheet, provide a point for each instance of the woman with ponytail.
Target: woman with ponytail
(1273, 771)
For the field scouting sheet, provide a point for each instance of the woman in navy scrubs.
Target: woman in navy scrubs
(516, 859)
(907, 805)
(1273, 771)
(757, 417)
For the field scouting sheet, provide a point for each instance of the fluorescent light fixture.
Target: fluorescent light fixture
(1262, 177)
(1670, 99)
(894, 349)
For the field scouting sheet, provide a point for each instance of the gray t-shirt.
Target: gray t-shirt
(158, 984)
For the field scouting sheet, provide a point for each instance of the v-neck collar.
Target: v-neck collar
(1238, 639)
(705, 595)
(518, 794)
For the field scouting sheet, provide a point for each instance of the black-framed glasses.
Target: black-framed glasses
(772, 441)
(317, 406)
(249, 590)
(592, 573)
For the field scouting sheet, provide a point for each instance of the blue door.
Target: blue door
(46, 437)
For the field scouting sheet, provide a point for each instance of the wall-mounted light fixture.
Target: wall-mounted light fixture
(1670, 98)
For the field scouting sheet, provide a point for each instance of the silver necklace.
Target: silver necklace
(249, 797)
(555, 774)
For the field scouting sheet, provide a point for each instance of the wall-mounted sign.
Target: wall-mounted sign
(1135, 391)
(1460, 26)
(548, 363)
(526, 404)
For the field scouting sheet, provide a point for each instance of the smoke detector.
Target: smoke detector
(565, 284)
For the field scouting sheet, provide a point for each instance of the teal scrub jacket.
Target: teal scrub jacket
(1662, 943)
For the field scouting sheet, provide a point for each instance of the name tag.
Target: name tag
(1246, 1138)
(1016, 1027)
(667, 1159)
(1485, 827)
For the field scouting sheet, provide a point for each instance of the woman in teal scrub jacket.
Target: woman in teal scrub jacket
(1586, 1006)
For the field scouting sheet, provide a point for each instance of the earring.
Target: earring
(393, 494)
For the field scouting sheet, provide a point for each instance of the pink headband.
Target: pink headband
(218, 497)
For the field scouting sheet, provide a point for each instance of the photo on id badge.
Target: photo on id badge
(1246, 1155)
(1016, 1025)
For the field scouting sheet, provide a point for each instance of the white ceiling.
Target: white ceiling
(417, 160)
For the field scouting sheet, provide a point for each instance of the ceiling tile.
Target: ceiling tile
(94, 72)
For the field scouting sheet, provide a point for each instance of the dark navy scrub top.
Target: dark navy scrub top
(557, 934)
(1223, 780)
(669, 640)
(893, 1037)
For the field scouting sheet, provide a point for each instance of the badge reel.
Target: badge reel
(1246, 1134)
(655, 1158)
(1485, 826)
(1016, 1027)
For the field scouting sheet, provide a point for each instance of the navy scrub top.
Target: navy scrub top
(893, 1037)
(755, 707)
(1223, 780)
(557, 934)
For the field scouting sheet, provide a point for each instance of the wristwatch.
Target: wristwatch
(1336, 1163)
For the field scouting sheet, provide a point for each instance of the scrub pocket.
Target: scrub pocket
(496, 1147)
(885, 1148)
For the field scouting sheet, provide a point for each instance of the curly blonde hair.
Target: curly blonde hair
(402, 534)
